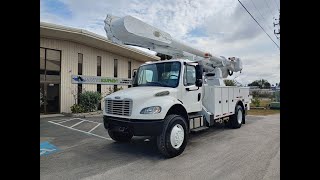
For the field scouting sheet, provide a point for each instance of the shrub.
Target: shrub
(112, 90)
(41, 96)
(76, 108)
(256, 102)
(89, 100)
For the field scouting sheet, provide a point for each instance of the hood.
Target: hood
(141, 92)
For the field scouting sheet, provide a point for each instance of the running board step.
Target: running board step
(202, 128)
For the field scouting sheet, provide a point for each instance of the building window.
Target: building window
(80, 62)
(42, 63)
(99, 90)
(50, 65)
(129, 69)
(129, 72)
(99, 66)
(79, 92)
(115, 69)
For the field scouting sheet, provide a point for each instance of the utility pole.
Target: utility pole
(277, 34)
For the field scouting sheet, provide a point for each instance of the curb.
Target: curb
(79, 115)
(84, 115)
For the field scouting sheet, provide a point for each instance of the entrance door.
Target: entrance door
(50, 98)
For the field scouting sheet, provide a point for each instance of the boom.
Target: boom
(132, 31)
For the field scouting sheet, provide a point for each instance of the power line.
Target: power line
(258, 24)
(268, 7)
(276, 4)
(261, 15)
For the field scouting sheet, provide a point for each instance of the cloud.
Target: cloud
(221, 27)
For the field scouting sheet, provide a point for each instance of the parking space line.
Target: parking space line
(59, 120)
(87, 120)
(77, 124)
(80, 130)
(67, 120)
(94, 127)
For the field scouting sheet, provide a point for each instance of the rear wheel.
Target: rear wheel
(237, 118)
(174, 136)
(120, 136)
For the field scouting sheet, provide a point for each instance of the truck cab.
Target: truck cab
(157, 87)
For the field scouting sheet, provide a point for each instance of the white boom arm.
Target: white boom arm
(131, 31)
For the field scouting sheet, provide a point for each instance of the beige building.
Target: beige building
(69, 55)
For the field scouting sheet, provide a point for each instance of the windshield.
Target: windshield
(159, 74)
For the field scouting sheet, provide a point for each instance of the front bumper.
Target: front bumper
(137, 127)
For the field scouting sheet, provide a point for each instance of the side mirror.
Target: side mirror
(134, 73)
(199, 82)
(199, 71)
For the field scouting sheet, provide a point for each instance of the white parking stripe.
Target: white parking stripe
(94, 127)
(87, 120)
(77, 123)
(80, 130)
(67, 120)
(59, 120)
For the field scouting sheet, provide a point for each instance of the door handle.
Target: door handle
(188, 89)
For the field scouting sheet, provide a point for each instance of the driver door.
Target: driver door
(191, 94)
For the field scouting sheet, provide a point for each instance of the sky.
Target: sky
(221, 27)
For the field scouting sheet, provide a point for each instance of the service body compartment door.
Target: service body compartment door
(231, 101)
(225, 100)
(217, 102)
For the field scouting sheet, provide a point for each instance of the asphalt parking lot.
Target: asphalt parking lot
(80, 148)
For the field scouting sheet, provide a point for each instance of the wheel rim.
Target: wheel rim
(177, 136)
(239, 116)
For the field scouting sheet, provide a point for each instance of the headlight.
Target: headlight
(151, 110)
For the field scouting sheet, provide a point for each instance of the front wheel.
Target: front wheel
(173, 139)
(237, 118)
(119, 136)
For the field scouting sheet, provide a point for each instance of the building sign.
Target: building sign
(79, 79)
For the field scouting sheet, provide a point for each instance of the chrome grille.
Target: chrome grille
(118, 107)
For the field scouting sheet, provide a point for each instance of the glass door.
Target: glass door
(52, 98)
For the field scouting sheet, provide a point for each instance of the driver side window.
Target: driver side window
(189, 77)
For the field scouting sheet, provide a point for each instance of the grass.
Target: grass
(263, 112)
(264, 102)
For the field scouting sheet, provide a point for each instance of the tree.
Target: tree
(267, 85)
(229, 82)
(262, 84)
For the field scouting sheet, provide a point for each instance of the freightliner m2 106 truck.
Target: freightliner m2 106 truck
(173, 97)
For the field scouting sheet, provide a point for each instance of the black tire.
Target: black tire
(163, 140)
(120, 137)
(233, 121)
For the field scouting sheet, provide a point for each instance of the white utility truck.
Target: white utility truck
(171, 98)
